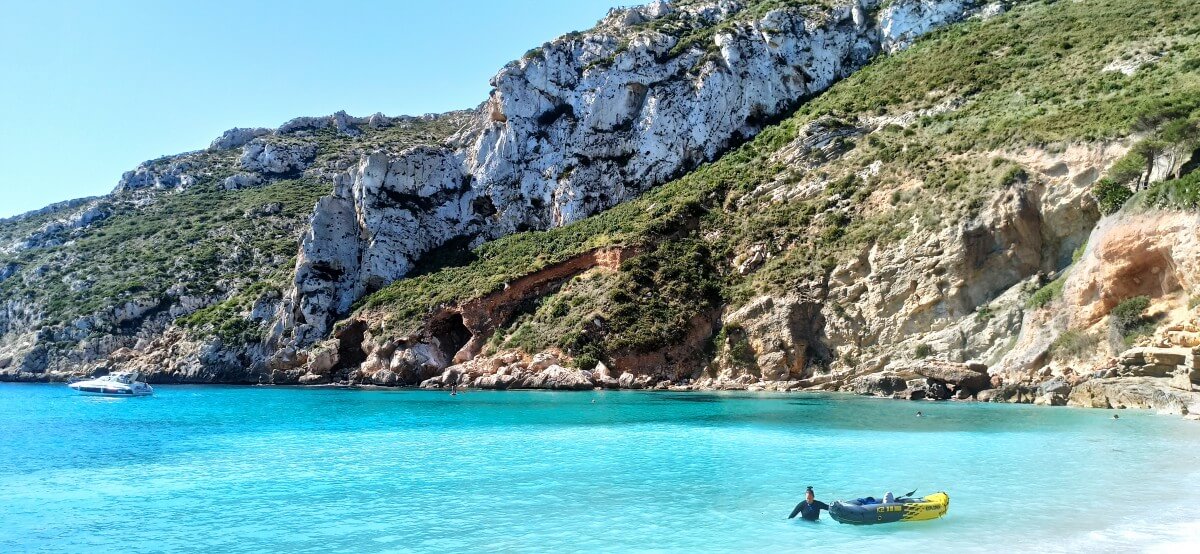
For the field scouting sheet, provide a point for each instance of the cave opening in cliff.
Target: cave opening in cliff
(451, 333)
(350, 350)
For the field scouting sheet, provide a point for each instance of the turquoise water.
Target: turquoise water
(288, 469)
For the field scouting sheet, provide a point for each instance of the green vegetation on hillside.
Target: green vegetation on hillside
(1047, 294)
(1130, 319)
(1032, 77)
(212, 240)
(1175, 140)
(224, 248)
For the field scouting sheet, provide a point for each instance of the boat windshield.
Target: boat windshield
(117, 378)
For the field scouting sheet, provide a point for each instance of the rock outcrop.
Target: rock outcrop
(1134, 392)
(579, 125)
(1152, 254)
(276, 158)
(237, 137)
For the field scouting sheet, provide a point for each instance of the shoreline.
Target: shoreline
(773, 388)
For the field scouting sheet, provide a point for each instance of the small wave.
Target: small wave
(1143, 535)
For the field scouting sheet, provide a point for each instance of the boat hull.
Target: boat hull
(118, 392)
(930, 507)
(113, 393)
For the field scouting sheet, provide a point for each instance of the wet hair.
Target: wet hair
(808, 489)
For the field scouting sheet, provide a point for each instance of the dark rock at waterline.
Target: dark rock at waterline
(951, 373)
(938, 391)
(878, 384)
(1057, 385)
(1013, 393)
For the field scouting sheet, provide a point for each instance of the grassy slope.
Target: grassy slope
(1030, 77)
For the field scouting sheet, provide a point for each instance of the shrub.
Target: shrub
(1131, 167)
(1074, 344)
(922, 351)
(1110, 195)
(1013, 176)
(739, 346)
(586, 362)
(1047, 293)
(1130, 313)
(1183, 193)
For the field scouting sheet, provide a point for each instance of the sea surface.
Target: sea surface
(250, 469)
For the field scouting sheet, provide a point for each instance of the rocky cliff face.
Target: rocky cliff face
(583, 123)
(929, 227)
(578, 125)
(905, 246)
(188, 250)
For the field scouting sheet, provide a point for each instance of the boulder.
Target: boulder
(278, 376)
(879, 384)
(304, 123)
(378, 120)
(1051, 399)
(313, 379)
(951, 373)
(1152, 370)
(1133, 356)
(384, 377)
(1057, 385)
(241, 181)
(1014, 393)
(1167, 356)
(345, 123)
(237, 137)
(1189, 338)
(543, 360)
(278, 158)
(322, 360)
(556, 377)
(938, 391)
(976, 366)
(493, 381)
(1132, 392)
(1181, 380)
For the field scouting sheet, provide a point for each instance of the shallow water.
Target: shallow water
(252, 469)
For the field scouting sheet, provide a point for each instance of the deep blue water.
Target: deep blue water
(225, 469)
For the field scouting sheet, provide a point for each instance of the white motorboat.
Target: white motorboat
(120, 383)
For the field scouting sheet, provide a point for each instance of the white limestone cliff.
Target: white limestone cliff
(579, 125)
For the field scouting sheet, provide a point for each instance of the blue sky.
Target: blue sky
(92, 88)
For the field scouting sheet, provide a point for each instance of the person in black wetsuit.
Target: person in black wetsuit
(811, 508)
